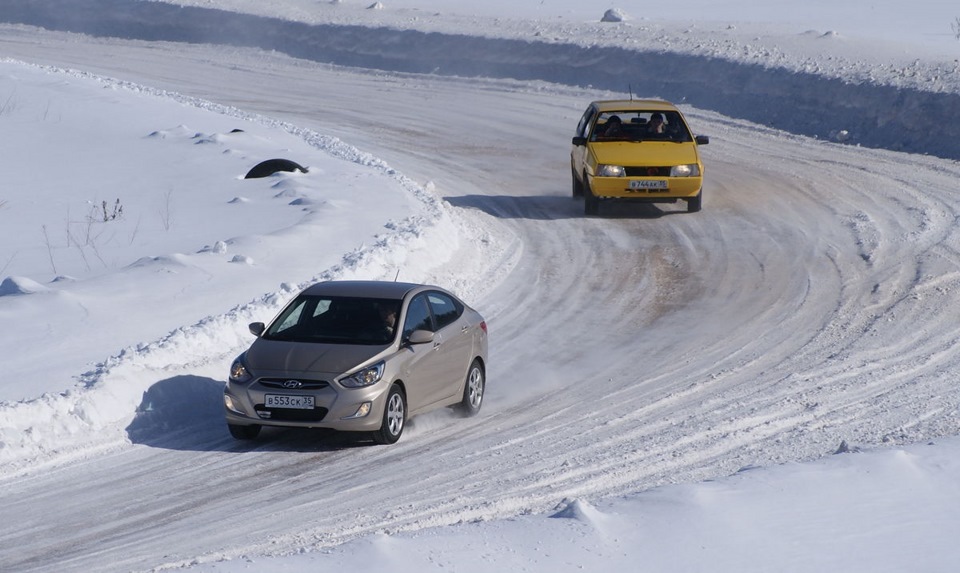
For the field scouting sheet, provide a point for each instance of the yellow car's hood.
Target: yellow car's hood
(644, 153)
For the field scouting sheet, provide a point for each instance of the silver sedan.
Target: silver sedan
(359, 356)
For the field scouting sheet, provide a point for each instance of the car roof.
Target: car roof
(634, 104)
(365, 289)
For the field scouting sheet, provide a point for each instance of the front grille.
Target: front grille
(304, 384)
(647, 171)
(291, 415)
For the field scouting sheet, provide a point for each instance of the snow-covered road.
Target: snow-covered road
(809, 303)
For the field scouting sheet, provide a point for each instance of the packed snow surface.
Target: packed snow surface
(766, 385)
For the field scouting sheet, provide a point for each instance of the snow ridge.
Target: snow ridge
(93, 414)
(888, 103)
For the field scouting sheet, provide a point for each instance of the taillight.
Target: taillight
(483, 325)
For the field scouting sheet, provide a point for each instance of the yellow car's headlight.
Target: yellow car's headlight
(610, 170)
(691, 170)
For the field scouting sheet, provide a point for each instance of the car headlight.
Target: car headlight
(691, 170)
(239, 372)
(610, 170)
(366, 377)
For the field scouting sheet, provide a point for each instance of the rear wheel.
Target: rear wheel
(694, 204)
(394, 417)
(244, 432)
(473, 390)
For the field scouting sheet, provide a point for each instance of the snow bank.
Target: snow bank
(890, 102)
(94, 410)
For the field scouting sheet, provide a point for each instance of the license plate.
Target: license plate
(649, 184)
(286, 401)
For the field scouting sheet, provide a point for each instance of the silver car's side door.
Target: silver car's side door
(424, 365)
(456, 346)
(435, 370)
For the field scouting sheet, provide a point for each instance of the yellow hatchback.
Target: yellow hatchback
(636, 150)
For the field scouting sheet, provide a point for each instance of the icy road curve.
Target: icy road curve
(812, 301)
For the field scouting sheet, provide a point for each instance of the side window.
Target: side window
(584, 124)
(418, 316)
(445, 309)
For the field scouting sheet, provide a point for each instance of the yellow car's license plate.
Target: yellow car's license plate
(649, 184)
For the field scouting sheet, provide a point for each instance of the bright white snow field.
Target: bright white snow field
(767, 385)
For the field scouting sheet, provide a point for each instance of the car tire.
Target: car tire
(577, 184)
(394, 417)
(591, 204)
(694, 204)
(244, 432)
(473, 390)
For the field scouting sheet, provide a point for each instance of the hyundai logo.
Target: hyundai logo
(289, 384)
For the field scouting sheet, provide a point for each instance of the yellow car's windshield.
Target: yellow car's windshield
(634, 125)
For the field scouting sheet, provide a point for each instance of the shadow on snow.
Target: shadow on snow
(186, 413)
(552, 208)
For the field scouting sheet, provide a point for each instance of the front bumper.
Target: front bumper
(620, 188)
(334, 408)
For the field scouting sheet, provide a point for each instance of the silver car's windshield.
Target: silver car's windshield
(336, 320)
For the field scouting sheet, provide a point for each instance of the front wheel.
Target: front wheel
(577, 184)
(694, 204)
(473, 390)
(394, 417)
(244, 432)
(591, 203)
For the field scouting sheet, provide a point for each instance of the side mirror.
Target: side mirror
(257, 328)
(579, 141)
(702, 139)
(420, 337)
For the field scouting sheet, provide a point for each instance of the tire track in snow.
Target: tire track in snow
(755, 338)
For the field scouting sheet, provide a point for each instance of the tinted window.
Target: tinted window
(323, 305)
(445, 309)
(335, 320)
(418, 316)
(290, 317)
